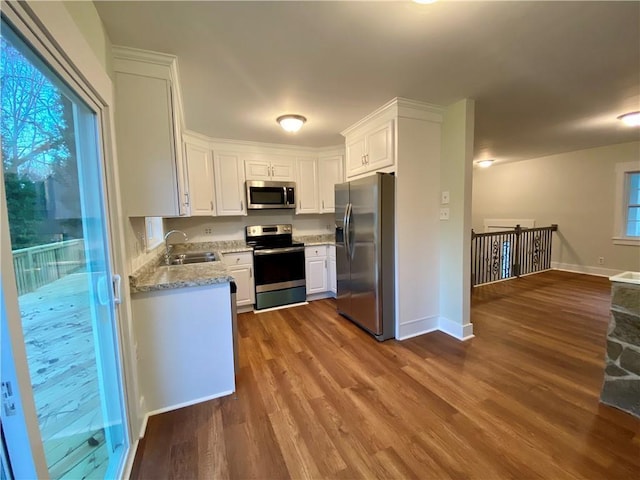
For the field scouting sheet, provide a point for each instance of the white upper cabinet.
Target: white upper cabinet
(280, 170)
(307, 185)
(370, 149)
(329, 173)
(200, 175)
(148, 132)
(229, 184)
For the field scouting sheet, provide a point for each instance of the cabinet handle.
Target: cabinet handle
(323, 204)
(241, 205)
(186, 199)
(237, 259)
(325, 264)
(211, 204)
(250, 272)
(362, 160)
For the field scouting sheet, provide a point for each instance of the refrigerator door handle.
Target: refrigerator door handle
(347, 229)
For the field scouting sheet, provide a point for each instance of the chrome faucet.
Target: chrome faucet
(169, 247)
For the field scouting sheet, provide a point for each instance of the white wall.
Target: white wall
(86, 18)
(455, 234)
(417, 239)
(232, 228)
(574, 190)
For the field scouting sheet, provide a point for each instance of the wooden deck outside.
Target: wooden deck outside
(58, 334)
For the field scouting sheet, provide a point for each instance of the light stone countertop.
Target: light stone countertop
(155, 276)
(313, 240)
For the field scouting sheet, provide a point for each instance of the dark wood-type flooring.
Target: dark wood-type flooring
(318, 398)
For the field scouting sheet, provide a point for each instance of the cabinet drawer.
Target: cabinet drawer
(242, 258)
(316, 251)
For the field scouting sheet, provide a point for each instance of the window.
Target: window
(627, 204)
(633, 205)
(155, 232)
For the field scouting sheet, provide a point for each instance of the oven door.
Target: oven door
(279, 276)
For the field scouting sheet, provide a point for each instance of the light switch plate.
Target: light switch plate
(444, 198)
(444, 214)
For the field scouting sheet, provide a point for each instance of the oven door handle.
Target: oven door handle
(271, 251)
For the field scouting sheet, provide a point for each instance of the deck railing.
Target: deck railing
(43, 264)
(497, 256)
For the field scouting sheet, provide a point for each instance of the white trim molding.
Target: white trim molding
(456, 330)
(414, 328)
(620, 203)
(586, 269)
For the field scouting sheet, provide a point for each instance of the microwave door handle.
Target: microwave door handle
(286, 197)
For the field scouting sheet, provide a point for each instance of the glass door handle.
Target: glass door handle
(117, 289)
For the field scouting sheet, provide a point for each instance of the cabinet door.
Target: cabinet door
(380, 147)
(257, 170)
(243, 275)
(307, 186)
(229, 184)
(331, 272)
(283, 170)
(316, 274)
(355, 153)
(146, 144)
(329, 173)
(200, 174)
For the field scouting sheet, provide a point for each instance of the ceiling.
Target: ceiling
(547, 77)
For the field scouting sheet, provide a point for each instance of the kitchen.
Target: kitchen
(196, 183)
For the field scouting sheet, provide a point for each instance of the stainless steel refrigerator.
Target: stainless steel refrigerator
(365, 253)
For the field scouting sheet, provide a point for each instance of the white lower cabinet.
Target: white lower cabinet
(318, 272)
(331, 274)
(184, 345)
(241, 267)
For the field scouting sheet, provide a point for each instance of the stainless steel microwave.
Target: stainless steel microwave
(265, 195)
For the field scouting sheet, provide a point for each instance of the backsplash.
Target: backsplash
(209, 229)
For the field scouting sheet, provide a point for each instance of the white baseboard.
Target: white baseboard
(589, 270)
(319, 296)
(189, 403)
(416, 327)
(128, 466)
(455, 329)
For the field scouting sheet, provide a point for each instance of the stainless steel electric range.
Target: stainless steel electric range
(278, 265)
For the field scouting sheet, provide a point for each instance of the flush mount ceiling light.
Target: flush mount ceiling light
(484, 163)
(631, 119)
(291, 123)
(424, 2)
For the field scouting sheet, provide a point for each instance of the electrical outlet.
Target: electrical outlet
(208, 231)
(600, 260)
(444, 214)
(444, 198)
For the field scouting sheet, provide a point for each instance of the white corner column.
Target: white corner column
(456, 173)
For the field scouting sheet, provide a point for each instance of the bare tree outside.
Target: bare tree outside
(38, 152)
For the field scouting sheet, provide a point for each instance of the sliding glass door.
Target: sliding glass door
(54, 210)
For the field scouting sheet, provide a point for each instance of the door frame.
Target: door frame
(52, 32)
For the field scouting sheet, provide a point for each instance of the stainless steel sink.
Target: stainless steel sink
(194, 257)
